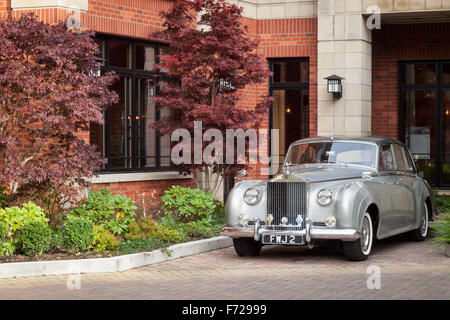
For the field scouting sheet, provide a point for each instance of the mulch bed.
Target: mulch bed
(58, 255)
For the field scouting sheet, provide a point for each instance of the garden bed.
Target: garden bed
(57, 255)
(105, 225)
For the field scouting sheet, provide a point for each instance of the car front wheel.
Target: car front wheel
(246, 247)
(359, 250)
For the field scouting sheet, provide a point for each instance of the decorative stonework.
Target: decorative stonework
(81, 5)
(277, 9)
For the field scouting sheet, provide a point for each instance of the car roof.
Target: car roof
(372, 139)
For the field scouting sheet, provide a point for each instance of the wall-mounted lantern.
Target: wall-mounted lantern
(334, 85)
(99, 62)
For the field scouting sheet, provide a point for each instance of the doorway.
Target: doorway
(289, 87)
(424, 117)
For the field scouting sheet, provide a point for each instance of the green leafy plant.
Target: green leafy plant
(188, 204)
(197, 229)
(15, 218)
(77, 234)
(139, 245)
(147, 228)
(4, 197)
(56, 238)
(442, 228)
(114, 212)
(3, 233)
(104, 240)
(35, 238)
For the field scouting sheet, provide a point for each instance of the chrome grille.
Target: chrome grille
(286, 199)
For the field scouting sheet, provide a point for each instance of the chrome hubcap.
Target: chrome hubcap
(424, 221)
(365, 236)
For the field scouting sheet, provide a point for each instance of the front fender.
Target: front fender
(236, 205)
(353, 201)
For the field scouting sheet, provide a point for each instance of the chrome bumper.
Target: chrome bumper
(309, 233)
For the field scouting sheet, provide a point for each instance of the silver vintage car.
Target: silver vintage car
(347, 189)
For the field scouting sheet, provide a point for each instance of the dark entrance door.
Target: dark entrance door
(424, 117)
(289, 87)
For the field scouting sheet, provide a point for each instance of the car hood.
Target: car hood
(317, 173)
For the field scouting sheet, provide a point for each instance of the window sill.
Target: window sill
(137, 176)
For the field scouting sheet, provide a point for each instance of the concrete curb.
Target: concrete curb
(112, 264)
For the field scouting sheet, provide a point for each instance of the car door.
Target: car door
(404, 202)
(386, 188)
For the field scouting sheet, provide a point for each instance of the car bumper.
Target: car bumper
(309, 233)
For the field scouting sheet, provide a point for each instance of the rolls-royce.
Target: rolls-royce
(348, 189)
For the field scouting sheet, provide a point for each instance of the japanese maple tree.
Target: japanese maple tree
(214, 58)
(48, 93)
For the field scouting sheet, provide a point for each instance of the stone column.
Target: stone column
(344, 49)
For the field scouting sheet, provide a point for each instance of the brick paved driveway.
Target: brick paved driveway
(408, 271)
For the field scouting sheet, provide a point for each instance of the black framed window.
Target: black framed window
(424, 122)
(126, 138)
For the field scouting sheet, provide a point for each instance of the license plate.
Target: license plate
(283, 239)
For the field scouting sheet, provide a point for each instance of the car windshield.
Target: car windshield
(354, 153)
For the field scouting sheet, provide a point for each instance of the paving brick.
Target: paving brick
(408, 271)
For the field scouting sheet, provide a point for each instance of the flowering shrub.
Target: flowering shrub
(147, 203)
(114, 212)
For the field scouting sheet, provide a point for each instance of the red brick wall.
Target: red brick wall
(393, 43)
(279, 38)
(121, 17)
(285, 38)
(139, 187)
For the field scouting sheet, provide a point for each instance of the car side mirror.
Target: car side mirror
(241, 174)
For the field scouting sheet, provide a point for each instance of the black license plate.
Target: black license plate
(283, 239)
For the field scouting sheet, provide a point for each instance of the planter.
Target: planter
(447, 249)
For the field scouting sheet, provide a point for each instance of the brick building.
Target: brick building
(396, 77)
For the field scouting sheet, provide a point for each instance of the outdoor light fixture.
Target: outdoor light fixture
(334, 85)
(99, 63)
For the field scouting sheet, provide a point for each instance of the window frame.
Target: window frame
(380, 157)
(133, 74)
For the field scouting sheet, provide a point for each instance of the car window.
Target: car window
(409, 160)
(386, 157)
(400, 158)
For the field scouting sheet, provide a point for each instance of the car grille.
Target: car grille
(286, 199)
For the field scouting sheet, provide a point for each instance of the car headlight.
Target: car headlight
(251, 196)
(324, 197)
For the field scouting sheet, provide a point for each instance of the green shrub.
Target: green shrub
(15, 218)
(4, 198)
(77, 233)
(139, 245)
(104, 240)
(188, 204)
(56, 238)
(35, 238)
(147, 228)
(442, 228)
(197, 229)
(3, 232)
(114, 212)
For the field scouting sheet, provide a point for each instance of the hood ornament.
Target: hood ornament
(269, 219)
